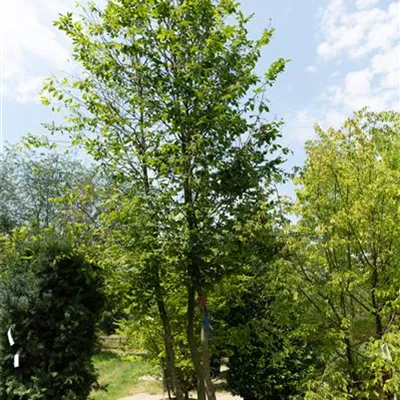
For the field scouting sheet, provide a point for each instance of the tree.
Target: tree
(345, 247)
(51, 299)
(170, 105)
(32, 185)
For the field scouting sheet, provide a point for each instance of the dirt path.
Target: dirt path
(142, 396)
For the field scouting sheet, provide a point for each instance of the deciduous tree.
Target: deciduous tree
(346, 246)
(169, 103)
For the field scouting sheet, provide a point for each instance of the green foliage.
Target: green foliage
(345, 251)
(267, 358)
(268, 367)
(170, 106)
(51, 299)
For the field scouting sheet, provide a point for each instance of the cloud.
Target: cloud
(357, 33)
(361, 4)
(32, 46)
(27, 90)
(300, 127)
(388, 65)
(365, 39)
(312, 69)
(376, 86)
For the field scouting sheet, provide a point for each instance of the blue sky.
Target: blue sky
(345, 55)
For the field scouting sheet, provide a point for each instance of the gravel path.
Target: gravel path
(142, 396)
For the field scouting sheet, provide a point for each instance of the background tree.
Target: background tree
(170, 105)
(35, 185)
(345, 249)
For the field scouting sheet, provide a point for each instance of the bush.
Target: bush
(267, 359)
(267, 368)
(51, 298)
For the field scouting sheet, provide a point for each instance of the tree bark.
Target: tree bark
(206, 357)
(192, 342)
(169, 349)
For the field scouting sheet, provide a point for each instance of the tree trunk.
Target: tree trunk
(169, 345)
(201, 364)
(168, 340)
(192, 343)
(167, 383)
(206, 358)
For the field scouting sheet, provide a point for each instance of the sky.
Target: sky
(344, 55)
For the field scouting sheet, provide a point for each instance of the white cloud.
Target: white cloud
(361, 4)
(388, 64)
(32, 46)
(27, 90)
(301, 126)
(370, 36)
(332, 118)
(376, 86)
(356, 33)
(312, 69)
(364, 40)
(355, 93)
(358, 82)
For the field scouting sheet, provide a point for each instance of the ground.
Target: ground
(142, 396)
(133, 378)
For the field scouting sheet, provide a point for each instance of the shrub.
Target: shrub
(267, 368)
(268, 359)
(51, 297)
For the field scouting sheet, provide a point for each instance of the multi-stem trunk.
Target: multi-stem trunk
(168, 338)
(201, 361)
(169, 350)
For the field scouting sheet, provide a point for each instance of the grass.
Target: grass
(120, 376)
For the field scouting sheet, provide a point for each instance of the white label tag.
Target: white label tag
(10, 339)
(16, 360)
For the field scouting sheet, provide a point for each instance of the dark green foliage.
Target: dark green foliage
(265, 369)
(6, 224)
(51, 298)
(266, 360)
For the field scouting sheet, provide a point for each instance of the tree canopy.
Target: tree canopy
(344, 247)
(170, 105)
